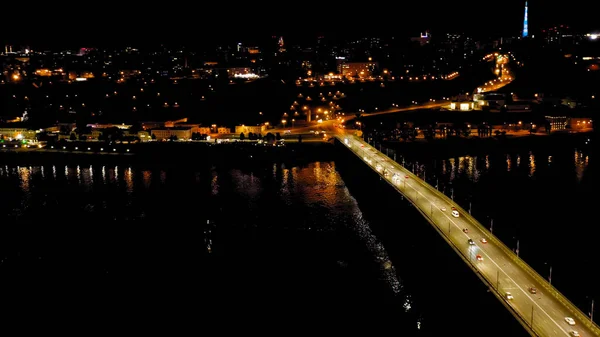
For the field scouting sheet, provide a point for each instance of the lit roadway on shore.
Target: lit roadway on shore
(329, 127)
(543, 311)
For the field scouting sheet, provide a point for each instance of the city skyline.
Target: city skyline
(469, 17)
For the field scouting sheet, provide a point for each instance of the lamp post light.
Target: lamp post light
(549, 272)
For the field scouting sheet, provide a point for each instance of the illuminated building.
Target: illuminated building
(253, 50)
(423, 39)
(525, 25)
(559, 35)
(241, 72)
(580, 123)
(17, 133)
(43, 72)
(357, 69)
(80, 76)
(246, 129)
(166, 133)
(557, 122)
(462, 105)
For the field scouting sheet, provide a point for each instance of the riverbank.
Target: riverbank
(458, 146)
(192, 153)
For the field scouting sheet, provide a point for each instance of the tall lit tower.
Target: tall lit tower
(525, 28)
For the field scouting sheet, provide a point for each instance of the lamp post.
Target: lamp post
(283, 121)
(549, 272)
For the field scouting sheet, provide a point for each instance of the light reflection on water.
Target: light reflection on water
(147, 178)
(581, 163)
(531, 164)
(468, 167)
(214, 183)
(320, 187)
(315, 193)
(461, 165)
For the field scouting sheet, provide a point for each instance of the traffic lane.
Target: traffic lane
(460, 240)
(555, 311)
(411, 108)
(515, 275)
(551, 309)
(473, 250)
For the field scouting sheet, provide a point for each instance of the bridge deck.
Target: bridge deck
(542, 313)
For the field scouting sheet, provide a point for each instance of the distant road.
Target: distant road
(410, 108)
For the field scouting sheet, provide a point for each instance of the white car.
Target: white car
(508, 295)
(570, 321)
(443, 209)
(574, 333)
(455, 214)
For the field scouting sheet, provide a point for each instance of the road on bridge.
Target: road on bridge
(544, 310)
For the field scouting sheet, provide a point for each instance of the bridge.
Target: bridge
(533, 301)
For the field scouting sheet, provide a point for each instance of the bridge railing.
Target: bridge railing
(577, 313)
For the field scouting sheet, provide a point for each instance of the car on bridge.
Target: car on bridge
(533, 290)
(574, 333)
(570, 321)
(443, 209)
(471, 242)
(508, 295)
(455, 214)
(479, 257)
(465, 230)
(483, 240)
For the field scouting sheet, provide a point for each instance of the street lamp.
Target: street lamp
(550, 272)
(283, 121)
(293, 120)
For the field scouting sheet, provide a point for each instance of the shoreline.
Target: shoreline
(204, 152)
(457, 146)
(196, 154)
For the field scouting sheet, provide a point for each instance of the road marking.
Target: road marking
(376, 155)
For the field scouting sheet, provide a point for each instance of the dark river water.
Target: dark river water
(279, 247)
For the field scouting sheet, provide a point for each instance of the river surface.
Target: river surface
(272, 240)
(279, 245)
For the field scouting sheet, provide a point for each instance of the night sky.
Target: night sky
(199, 23)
